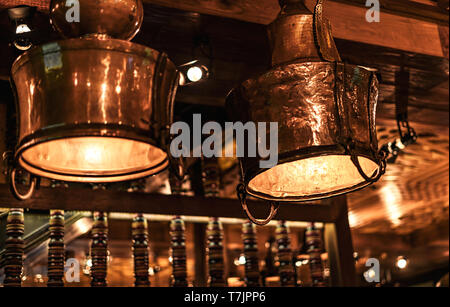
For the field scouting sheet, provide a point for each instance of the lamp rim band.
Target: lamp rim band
(73, 44)
(85, 130)
(67, 131)
(37, 171)
(305, 153)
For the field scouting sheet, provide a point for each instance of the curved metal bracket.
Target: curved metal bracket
(15, 191)
(242, 195)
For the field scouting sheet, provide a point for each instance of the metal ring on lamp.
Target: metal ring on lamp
(242, 198)
(13, 187)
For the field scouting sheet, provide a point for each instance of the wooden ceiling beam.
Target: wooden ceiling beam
(76, 199)
(348, 21)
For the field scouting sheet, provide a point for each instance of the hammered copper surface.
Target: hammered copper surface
(323, 108)
(90, 88)
(116, 18)
(298, 34)
(301, 98)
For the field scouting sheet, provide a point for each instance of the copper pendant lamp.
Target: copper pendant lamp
(325, 111)
(94, 107)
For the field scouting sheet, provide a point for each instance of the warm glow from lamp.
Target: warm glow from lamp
(312, 176)
(92, 154)
(93, 159)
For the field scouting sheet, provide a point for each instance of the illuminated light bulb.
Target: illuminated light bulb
(195, 74)
(22, 28)
(402, 263)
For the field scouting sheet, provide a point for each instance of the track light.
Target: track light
(193, 72)
(21, 17)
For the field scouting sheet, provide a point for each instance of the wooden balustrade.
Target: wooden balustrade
(252, 274)
(178, 253)
(214, 233)
(314, 246)
(14, 248)
(99, 250)
(284, 256)
(140, 251)
(56, 249)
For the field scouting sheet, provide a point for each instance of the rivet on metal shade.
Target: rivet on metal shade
(325, 110)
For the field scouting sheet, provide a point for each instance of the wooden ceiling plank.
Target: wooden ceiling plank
(348, 22)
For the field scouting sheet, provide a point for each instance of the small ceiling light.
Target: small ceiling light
(401, 263)
(88, 125)
(325, 109)
(21, 16)
(193, 72)
(23, 28)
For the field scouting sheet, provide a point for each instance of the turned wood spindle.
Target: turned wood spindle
(252, 275)
(314, 249)
(56, 249)
(284, 256)
(14, 246)
(178, 252)
(99, 250)
(214, 233)
(210, 177)
(140, 251)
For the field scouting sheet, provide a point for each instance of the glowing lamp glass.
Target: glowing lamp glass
(312, 176)
(93, 159)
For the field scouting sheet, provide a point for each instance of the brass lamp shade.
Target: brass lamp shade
(325, 109)
(94, 110)
(326, 120)
(116, 19)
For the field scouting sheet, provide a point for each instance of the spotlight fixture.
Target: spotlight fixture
(325, 110)
(193, 72)
(401, 262)
(21, 17)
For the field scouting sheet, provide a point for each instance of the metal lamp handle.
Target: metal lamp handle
(15, 191)
(242, 198)
(380, 171)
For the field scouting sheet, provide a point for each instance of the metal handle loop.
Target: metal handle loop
(242, 198)
(13, 187)
(377, 175)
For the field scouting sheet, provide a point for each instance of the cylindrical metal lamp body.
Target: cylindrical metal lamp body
(321, 109)
(325, 111)
(94, 110)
